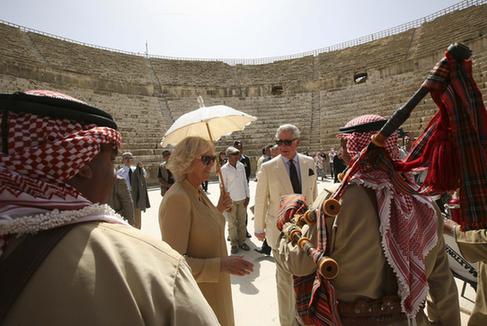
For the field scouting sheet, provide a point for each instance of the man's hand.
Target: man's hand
(246, 202)
(449, 226)
(260, 235)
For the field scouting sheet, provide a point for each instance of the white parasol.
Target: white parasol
(209, 122)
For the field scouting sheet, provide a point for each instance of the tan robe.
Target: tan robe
(473, 245)
(363, 269)
(195, 228)
(111, 274)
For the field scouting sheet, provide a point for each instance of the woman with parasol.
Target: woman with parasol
(194, 227)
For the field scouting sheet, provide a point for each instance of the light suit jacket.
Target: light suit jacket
(274, 182)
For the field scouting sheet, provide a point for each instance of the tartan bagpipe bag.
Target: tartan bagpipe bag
(453, 146)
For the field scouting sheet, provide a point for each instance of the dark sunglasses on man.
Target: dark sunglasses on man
(208, 159)
(286, 142)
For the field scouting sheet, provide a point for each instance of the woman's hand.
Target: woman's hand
(224, 202)
(236, 265)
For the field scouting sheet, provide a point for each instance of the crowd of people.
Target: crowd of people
(334, 168)
(58, 236)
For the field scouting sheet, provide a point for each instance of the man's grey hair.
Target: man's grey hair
(289, 128)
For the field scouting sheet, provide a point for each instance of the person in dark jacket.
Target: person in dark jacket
(338, 165)
(139, 193)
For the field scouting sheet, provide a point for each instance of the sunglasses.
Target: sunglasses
(208, 159)
(287, 142)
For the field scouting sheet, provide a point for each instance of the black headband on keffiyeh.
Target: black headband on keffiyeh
(359, 130)
(47, 137)
(364, 125)
(51, 104)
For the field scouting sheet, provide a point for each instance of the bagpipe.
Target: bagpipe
(326, 266)
(315, 299)
(451, 148)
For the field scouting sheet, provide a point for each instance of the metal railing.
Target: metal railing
(257, 61)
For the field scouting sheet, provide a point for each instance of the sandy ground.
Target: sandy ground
(254, 295)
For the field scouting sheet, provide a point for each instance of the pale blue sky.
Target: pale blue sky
(215, 28)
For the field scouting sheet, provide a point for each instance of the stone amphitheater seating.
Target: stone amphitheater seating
(271, 111)
(466, 25)
(317, 93)
(102, 64)
(193, 73)
(281, 71)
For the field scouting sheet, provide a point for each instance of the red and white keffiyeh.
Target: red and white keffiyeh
(43, 154)
(359, 140)
(408, 222)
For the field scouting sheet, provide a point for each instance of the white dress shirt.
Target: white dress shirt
(235, 181)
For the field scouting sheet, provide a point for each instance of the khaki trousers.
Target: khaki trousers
(236, 223)
(138, 218)
(479, 313)
(285, 293)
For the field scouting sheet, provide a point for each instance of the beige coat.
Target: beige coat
(473, 245)
(195, 228)
(111, 274)
(363, 270)
(274, 182)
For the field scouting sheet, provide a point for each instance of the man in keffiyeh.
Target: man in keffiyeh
(388, 244)
(473, 246)
(56, 169)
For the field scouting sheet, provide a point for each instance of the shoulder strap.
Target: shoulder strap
(17, 268)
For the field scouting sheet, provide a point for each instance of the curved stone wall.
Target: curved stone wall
(317, 93)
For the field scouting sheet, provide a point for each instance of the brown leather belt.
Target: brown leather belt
(364, 312)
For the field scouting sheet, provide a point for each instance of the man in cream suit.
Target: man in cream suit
(285, 174)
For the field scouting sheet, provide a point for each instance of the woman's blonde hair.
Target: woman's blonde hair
(185, 152)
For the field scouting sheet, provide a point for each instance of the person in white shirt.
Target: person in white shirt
(128, 168)
(235, 181)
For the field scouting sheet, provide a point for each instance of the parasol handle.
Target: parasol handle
(201, 102)
(459, 52)
(218, 171)
(217, 164)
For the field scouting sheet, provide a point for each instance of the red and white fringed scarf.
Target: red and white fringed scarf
(44, 153)
(408, 223)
